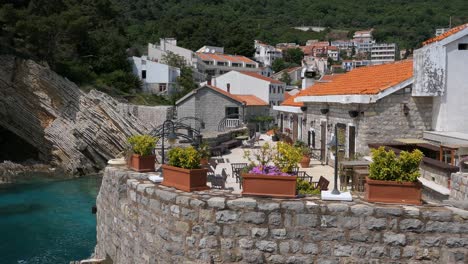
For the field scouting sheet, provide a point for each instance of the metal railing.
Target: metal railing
(231, 122)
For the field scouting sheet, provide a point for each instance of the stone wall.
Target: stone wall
(436, 175)
(140, 222)
(459, 187)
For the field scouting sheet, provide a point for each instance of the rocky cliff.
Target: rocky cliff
(70, 129)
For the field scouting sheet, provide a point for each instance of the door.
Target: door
(281, 122)
(323, 139)
(352, 142)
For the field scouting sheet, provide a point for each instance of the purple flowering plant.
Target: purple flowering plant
(268, 170)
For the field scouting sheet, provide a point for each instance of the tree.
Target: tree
(294, 55)
(278, 65)
(174, 60)
(285, 78)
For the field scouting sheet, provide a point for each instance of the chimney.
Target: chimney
(208, 81)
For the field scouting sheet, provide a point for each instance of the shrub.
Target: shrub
(142, 145)
(204, 150)
(304, 187)
(387, 167)
(185, 158)
(287, 156)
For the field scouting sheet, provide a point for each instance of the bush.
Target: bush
(304, 187)
(287, 156)
(142, 145)
(387, 167)
(185, 158)
(204, 150)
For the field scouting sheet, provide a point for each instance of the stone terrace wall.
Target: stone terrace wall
(459, 188)
(139, 222)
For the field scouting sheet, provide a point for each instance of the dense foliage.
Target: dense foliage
(386, 166)
(88, 41)
(185, 158)
(142, 145)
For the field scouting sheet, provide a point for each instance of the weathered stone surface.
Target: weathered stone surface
(76, 131)
(217, 202)
(242, 203)
(133, 226)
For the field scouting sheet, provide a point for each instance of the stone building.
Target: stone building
(368, 104)
(218, 108)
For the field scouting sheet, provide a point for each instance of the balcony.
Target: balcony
(232, 123)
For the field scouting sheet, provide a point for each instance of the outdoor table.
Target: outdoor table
(359, 177)
(347, 168)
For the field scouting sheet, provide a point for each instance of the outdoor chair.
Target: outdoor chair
(236, 169)
(218, 181)
(213, 163)
(322, 184)
(304, 176)
(249, 143)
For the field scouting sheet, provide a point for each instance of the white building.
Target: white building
(383, 53)
(333, 53)
(363, 41)
(215, 64)
(266, 54)
(241, 82)
(157, 78)
(156, 53)
(440, 71)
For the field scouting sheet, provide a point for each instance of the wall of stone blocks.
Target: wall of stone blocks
(436, 175)
(459, 187)
(379, 122)
(140, 222)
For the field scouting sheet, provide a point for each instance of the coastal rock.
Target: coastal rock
(71, 129)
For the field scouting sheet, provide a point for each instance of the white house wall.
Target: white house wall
(430, 70)
(243, 84)
(451, 109)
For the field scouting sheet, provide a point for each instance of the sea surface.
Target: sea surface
(48, 221)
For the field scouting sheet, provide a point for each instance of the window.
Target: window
(463, 46)
(274, 89)
(228, 87)
(232, 112)
(279, 102)
(162, 87)
(143, 74)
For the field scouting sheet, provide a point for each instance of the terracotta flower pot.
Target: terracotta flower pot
(183, 179)
(305, 161)
(142, 163)
(267, 185)
(393, 192)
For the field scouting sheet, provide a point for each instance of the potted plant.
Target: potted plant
(305, 151)
(394, 179)
(264, 179)
(142, 158)
(183, 171)
(276, 135)
(205, 153)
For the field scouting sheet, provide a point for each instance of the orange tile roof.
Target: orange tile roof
(290, 101)
(224, 57)
(251, 100)
(259, 76)
(446, 34)
(364, 80)
(248, 99)
(329, 77)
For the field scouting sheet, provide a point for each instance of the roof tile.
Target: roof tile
(364, 80)
(248, 99)
(446, 34)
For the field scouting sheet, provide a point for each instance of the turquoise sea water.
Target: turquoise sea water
(48, 221)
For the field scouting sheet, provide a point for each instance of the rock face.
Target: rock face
(71, 129)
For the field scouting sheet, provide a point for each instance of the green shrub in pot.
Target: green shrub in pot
(386, 166)
(185, 158)
(142, 145)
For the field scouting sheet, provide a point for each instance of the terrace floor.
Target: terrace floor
(236, 155)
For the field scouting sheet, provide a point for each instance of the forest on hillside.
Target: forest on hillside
(88, 41)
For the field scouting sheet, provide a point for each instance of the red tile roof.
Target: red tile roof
(290, 101)
(251, 100)
(329, 77)
(446, 34)
(248, 99)
(259, 76)
(364, 80)
(224, 57)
